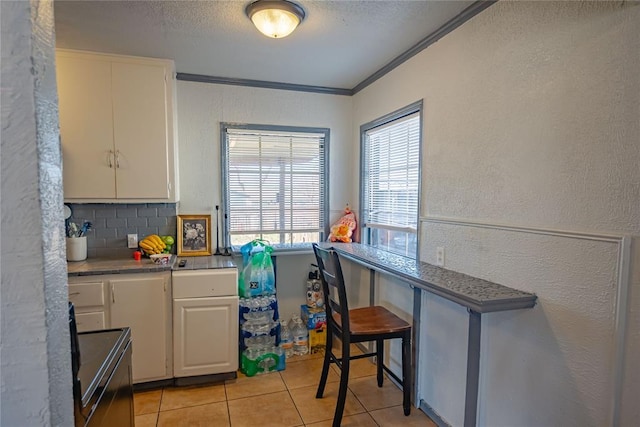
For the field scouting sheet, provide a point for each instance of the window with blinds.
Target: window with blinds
(391, 181)
(275, 183)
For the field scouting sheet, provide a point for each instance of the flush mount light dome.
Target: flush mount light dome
(275, 18)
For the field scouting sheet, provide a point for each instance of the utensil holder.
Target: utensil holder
(76, 248)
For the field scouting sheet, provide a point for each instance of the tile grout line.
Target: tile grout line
(286, 386)
(159, 406)
(366, 411)
(288, 389)
(226, 401)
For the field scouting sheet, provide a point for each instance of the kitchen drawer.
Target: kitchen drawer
(88, 294)
(90, 321)
(205, 283)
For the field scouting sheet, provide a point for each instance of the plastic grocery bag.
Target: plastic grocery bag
(257, 276)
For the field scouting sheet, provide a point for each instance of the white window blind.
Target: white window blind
(275, 185)
(391, 184)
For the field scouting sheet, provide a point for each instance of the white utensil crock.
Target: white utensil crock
(76, 248)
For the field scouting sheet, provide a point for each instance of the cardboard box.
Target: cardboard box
(317, 340)
(314, 318)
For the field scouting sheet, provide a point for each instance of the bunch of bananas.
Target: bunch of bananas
(154, 244)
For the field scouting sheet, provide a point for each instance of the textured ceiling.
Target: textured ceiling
(338, 45)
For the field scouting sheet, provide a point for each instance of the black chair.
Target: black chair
(365, 324)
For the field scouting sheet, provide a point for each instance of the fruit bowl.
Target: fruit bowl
(160, 259)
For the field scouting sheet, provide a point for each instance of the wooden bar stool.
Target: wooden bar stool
(358, 325)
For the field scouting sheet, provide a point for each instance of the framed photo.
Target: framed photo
(194, 235)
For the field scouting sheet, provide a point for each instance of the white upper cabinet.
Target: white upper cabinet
(117, 127)
(86, 126)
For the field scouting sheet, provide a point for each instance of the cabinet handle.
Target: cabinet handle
(109, 159)
(74, 293)
(113, 294)
(117, 159)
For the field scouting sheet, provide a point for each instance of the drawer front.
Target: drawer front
(87, 294)
(90, 321)
(205, 283)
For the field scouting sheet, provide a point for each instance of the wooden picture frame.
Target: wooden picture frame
(194, 235)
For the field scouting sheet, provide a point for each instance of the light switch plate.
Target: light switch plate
(132, 241)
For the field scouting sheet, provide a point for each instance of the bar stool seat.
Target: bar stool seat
(373, 320)
(357, 325)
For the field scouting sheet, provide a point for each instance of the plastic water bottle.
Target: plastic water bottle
(293, 321)
(282, 359)
(286, 339)
(300, 337)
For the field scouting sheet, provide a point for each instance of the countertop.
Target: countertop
(204, 262)
(474, 293)
(95, 266)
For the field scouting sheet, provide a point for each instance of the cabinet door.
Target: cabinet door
(140, 303)
(140, 131)
(205, 336)
(86, 126)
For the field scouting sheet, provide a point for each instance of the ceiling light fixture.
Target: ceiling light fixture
(275, 18)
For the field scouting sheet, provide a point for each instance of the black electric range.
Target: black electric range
(105, 387)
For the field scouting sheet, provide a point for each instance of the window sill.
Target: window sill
(280, 249)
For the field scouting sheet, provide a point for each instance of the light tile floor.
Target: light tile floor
(279, 399)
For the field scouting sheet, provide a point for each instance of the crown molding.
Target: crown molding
(451, 25)
(471, 11)
(262, 83)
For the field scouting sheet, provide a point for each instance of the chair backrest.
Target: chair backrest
(335, 295)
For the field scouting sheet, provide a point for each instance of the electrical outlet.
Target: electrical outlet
(132, 241)
(440, 256)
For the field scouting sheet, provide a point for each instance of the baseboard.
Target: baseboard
(435, 417)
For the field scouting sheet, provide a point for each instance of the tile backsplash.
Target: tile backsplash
(112, 222)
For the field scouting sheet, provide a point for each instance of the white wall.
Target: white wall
(35, 351)
(201, 107)
(531, 120)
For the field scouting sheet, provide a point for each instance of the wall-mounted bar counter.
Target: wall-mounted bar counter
(478, 296)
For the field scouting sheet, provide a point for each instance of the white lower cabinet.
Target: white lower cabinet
(88, 297)
(94, 321)
(205, 332)
(141, 302)
(200, 338)
(205, 322)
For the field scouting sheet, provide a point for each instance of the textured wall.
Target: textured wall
(35, 352)
(561, 349)
(531, 120)
(201, 108)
